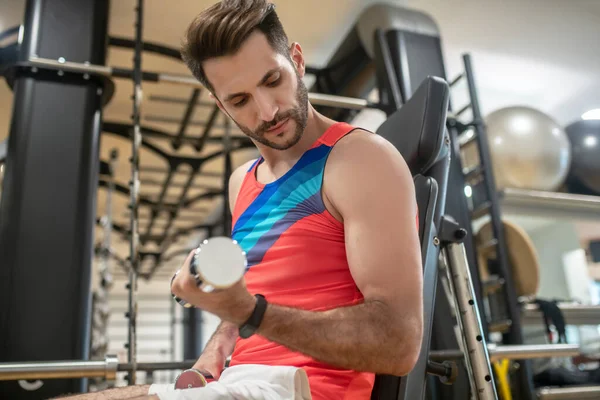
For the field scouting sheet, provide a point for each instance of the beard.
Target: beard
(298, 114)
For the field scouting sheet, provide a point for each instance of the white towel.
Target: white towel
(245, 382)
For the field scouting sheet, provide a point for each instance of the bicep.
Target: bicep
(376, 197)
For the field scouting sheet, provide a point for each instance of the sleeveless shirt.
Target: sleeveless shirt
(297, 258)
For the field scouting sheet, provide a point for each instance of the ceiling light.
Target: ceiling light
(592, 114)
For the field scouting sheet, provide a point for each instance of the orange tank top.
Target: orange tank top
(297, 258)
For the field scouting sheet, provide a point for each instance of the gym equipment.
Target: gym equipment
(428, 148)
(134, 187)
(100, 303)
(190, 378)
(218, 263)
(575, 393)
(529, 149)
(521, 252)
(49, 194)
(584, 137)
(189, 81)
(108, 368)
(574, 314)
(550, 204)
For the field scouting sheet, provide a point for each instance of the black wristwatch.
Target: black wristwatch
(251, 325)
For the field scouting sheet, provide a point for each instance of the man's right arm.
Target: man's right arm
(222, 342)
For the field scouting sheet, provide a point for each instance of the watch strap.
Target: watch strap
(253, 322)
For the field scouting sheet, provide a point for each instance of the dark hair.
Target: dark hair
(221, 29)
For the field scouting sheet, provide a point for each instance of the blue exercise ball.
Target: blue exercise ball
(584, 174)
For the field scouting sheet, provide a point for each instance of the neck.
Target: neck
(316, 125)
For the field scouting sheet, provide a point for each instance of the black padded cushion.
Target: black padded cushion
(417, 129)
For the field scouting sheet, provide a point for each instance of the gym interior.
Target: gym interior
(104, 132)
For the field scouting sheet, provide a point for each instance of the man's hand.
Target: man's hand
(234, 304)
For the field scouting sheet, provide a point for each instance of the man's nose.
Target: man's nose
(267, 108)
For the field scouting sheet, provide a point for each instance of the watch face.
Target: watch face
(246, 331)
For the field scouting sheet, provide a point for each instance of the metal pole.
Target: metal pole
(477, 359)
(82, 369)
(319, 99)
(514, 352)
(60, 370)
(567, 393)
(134, 190)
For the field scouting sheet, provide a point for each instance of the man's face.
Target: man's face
(262, 91)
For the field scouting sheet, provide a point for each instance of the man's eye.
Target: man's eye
(274, 82)
(240, 103)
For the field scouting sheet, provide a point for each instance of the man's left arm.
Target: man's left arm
(373, 191)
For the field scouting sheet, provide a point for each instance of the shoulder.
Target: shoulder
(365, 165)
(236, 179)
(368, 152)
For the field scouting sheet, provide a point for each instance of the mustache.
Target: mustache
(278, 118)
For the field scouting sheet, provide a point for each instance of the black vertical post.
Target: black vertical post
(48, 206)
(192, 333)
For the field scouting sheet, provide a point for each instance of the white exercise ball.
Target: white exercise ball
(529, 149)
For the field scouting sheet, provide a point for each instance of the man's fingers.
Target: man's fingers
(183, 278)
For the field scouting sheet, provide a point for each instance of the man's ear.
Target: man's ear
(298, 58)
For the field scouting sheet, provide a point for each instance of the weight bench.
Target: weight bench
(418, 131)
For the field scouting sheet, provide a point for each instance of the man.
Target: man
(326, 216)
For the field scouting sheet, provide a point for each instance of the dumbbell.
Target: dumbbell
(191, 378)
(218, 263)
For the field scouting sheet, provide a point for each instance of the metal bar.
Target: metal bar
(161, 198)
(457, 79)
(315, 98)
(153, 182)
(191, 105)
(523, 351)
(550, 204)
(9, 32)
(146, 46)
(177, 100)
(82, 369)
(134, 190)
(158, 366)
(209, 125)
(478, 364)
(59, 369)
(159, 170)
(352, 103)
(64, 65)
(574, 314)
(567, 393)
(514, 352)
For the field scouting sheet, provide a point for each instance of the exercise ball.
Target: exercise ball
(529, 149)
(584, 136)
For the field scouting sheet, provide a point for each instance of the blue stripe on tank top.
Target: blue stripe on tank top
(311, 156)
(289, 197)
(308, 207)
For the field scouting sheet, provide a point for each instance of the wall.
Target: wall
(552, 241)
